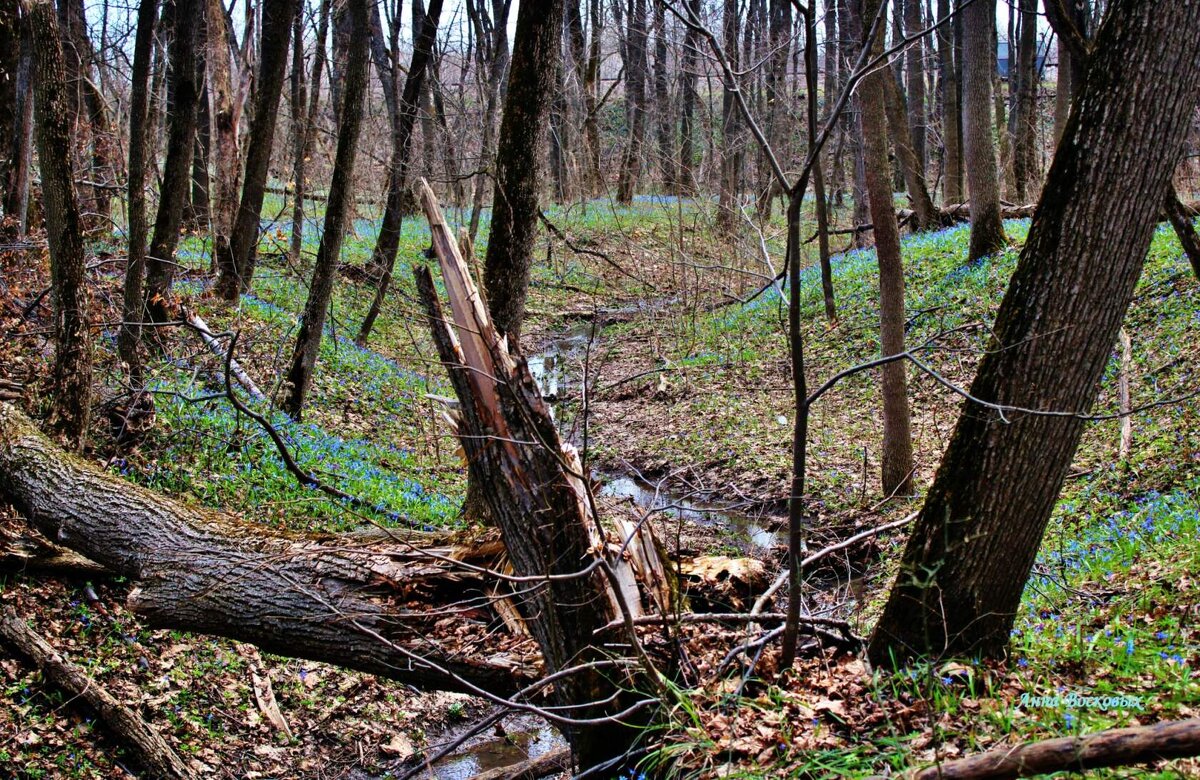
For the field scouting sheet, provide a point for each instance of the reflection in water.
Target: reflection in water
(500, 752)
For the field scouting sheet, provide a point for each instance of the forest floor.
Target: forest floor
(678, 393)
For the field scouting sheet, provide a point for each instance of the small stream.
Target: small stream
(554, 368)
(531, 739)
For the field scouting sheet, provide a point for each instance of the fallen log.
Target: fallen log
(409, 609)
(201, 327)
(146, 744)
(1115, 747)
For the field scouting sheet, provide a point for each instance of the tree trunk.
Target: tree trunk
(273, 58)
(536, 494)
(337, 209)
(635, 99)
(689, 78)
(71, 411)
(662, 100)
(383, 259)
(731, 141)
(225, 113)
(910, 164)
(182, 94)
(495, 59)
(978, 533)
(1025, 111)
(1063, 92)
(519, 163)
(133, 308)
(897, 438)
(987, 231)
(915, 73)
(371, 606)
(10, 64)
(306, 134)
(950, 65)
(1185, 229)
(20, 142)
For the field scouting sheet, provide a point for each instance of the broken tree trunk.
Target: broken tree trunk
(538, 497)
(1115, 747)
(151, 750)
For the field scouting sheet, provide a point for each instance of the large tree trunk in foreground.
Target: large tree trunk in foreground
(276, 32)
(1114, 747)
(970, 554)
(983, 178)
(519, 164)
(897, 437)
(337, 211)
(64, 230)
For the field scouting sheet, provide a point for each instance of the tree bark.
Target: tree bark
(731, 139)
(133, 309)
(915, 75)
(689, 78)
(182, 94)
(273, 58)
(977, 536)
(897, 462)
(225, 114)
(987, 231)
(337, 210)
(1182, 219)
(519, 164)
(494, 58)
(306, 134)
(910, 164)
(951, 66)
(20, 142)
(662, 100)
(71, 411)
(636, 68)
(1025, 111)
(361, 604)
(383, 259)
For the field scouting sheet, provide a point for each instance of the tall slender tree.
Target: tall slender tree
(897, 460)
(237, 270)
(71, 409)
(182, 94)
(948, 68)
(636, 69)
(976, 538)
(337, 210)
(303, 143)
(133, 310)
(386, 246)
(987, 229)
(19, 142)
(519, 164)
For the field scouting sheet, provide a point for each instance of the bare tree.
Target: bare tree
(633, 50)
(71, 412)
(987, 230)
(18, 142)
(897, 437)
(133, 309)
(237, 270)
(337, 210)
(304, 130)
(949, 66)
(977, 536)
(182, 94)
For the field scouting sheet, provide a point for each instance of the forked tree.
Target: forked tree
(978, 533)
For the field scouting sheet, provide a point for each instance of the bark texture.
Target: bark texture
(362, 604)
(519, 164)
(273, 57)
(337, 211)
(987, 231)
(896, 476)
(182, 94)
(966, 564)
(71, 411)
